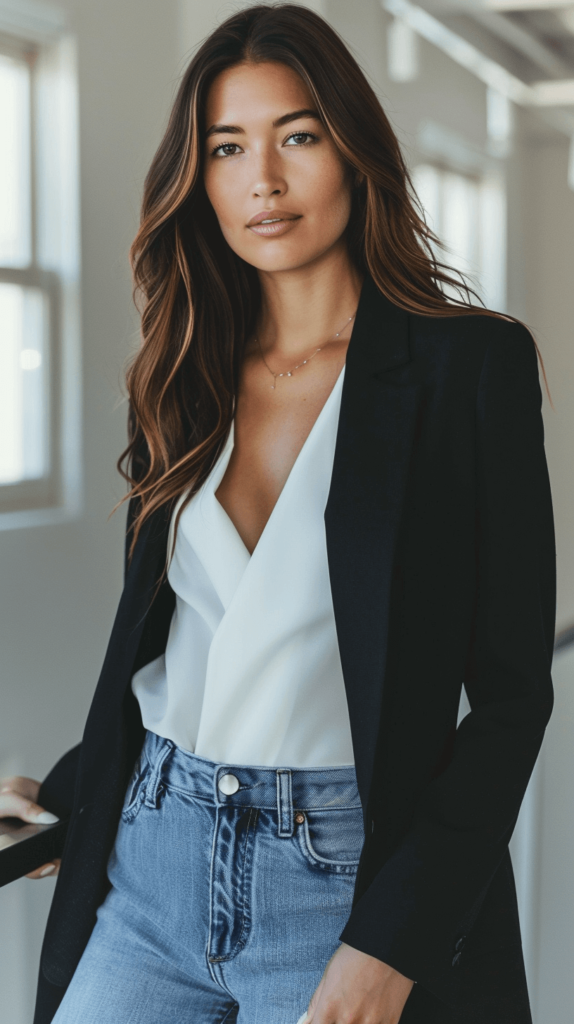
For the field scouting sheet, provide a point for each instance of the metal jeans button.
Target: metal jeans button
(228, 784)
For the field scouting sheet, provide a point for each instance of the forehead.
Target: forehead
(255, 93)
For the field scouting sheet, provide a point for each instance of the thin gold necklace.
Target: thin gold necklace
(289, 373)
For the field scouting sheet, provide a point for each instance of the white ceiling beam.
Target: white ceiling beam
(524, 5)
(459, 50)
(486, 70)
(520, 39)
(553, 94)
(509, 30)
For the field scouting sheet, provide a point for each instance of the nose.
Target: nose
(269, 180)
(265, 190)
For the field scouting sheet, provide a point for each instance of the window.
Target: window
(24, 425)
(468, 214)
(38, 276)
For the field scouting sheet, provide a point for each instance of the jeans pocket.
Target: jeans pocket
(333, 838)
(135, 792)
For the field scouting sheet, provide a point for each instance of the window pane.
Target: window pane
(460, 220)
(14, 162)
(455, 210)
(23, 379)
(493, 242)
(426, 180)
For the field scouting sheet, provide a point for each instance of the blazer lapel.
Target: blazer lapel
(362, 517)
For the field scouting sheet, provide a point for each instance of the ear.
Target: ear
(358, 179)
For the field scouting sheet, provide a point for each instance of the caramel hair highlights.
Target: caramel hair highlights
(199, 300)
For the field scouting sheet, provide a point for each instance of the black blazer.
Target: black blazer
(442, 561)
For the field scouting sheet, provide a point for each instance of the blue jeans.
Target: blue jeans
(230, 888)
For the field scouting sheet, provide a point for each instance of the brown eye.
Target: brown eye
(225, 149)
(301, 138)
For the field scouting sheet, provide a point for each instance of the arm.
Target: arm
(57, 790)
(39, 804)
(427, 895)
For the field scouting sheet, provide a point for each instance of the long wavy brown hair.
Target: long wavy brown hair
(200, 301)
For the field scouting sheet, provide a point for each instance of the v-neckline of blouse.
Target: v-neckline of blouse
(220, 468)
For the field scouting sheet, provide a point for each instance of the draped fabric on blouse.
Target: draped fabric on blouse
(252, 672)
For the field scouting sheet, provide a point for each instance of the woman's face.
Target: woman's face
(277, 183)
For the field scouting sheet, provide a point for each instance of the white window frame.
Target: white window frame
(448, 151)
(26, 26)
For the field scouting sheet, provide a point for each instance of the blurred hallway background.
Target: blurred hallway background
(481, 93)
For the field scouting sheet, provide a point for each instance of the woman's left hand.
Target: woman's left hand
(358, 989)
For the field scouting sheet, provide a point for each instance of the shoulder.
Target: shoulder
(469, 330)
(475, 343)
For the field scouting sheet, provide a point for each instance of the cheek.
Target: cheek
(320, 190)
(330, 198)
(223, 194)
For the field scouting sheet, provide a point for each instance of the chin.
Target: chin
(275, 263)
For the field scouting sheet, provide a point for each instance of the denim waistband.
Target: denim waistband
(285, 789)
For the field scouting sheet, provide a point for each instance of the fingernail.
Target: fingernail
(48, 870)
(303, 1018)
(45, 818)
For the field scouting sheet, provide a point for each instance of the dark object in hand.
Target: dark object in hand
(25, 847)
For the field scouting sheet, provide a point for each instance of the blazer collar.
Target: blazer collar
(379, 340)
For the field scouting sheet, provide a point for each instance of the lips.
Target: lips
(272, 217)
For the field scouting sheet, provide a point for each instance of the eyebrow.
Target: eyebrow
(233, 129)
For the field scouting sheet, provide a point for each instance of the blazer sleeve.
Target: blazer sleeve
(57, 790)
(130, 518)
(416, 912)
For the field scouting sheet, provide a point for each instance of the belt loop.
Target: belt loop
(285, 803)
(152, 789)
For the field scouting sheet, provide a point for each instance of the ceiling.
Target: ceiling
(532, 39)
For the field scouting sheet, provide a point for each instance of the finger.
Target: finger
(28, 788)
(46, 871)
(13, 805)
(324, 1013)
(311, 1010)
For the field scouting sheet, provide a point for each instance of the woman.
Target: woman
(339, 513)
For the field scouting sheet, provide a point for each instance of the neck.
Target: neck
(306, 307)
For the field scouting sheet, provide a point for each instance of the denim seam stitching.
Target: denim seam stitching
(232, 1009)
(130, 812)
(229, 802)
(246, 874)
(285, 803)
(211, 872)
(245, 902)
(219, 979)
(154, 780)
(341, 867)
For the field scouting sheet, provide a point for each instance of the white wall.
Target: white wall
(548, 212)
(554, 996)
(60, 584)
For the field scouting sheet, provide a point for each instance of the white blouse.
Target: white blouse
(252, 672)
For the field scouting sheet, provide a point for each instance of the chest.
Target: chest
(271, 426)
